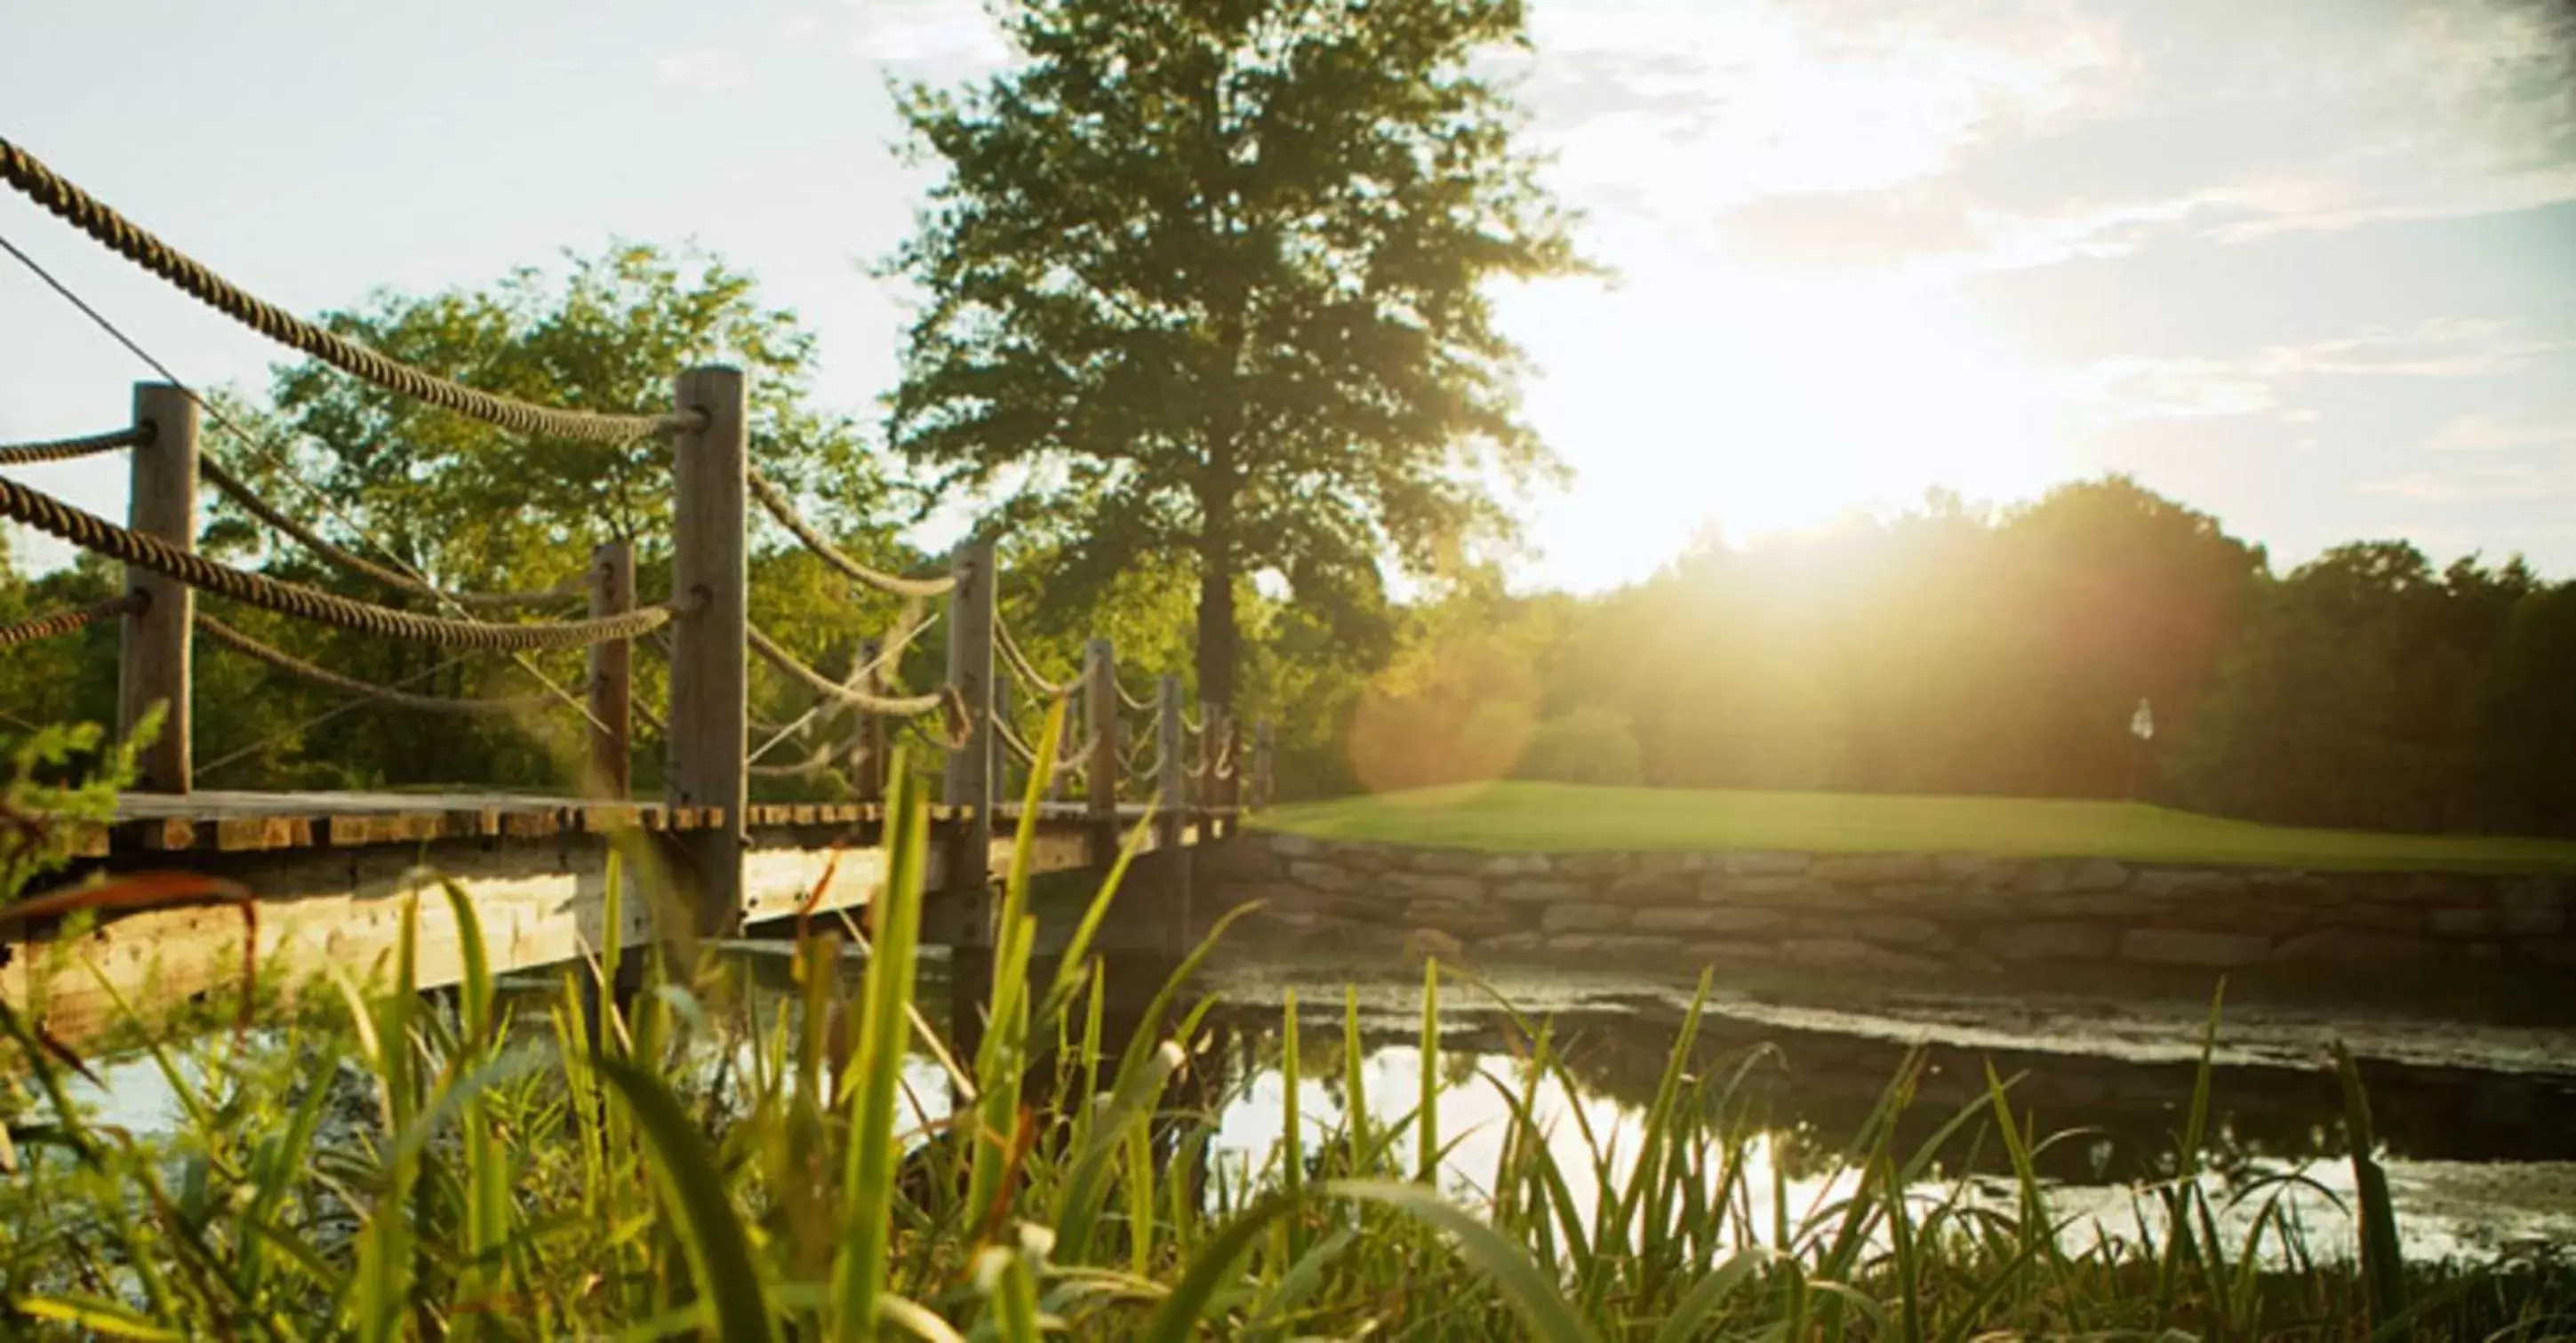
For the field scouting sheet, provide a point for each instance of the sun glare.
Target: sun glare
(1764, 405)
(1867, 398)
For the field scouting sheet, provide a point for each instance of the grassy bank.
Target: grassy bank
(1564, 817)
(710, 1161)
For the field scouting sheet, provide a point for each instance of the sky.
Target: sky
(2309, 265)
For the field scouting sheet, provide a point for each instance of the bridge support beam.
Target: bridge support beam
(154, 659)
(709, 712)
(964, 914)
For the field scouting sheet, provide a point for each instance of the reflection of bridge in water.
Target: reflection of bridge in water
(319, 867)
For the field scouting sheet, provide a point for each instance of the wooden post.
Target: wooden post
(1206, 789)
(871, 764)
(1172, 782)
(1173, 813)
(1100, 716)
(154, 656)
(709, 714)
(1067, 742)
(967, 912)
(612, 683)
(1262, 746)
(1236, 766)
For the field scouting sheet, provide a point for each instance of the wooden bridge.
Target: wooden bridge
(326, 870)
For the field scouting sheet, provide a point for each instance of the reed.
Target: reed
(691, 1161)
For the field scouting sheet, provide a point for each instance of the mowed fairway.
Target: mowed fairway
(1560, 817)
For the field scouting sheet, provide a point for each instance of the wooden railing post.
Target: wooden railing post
(1236, 766)
(154, 655)
(612, 679)
(1262, 746)
(1102, 772)
(709, 713)
(967, 912)
(870, 767)
(1171, 825)
(1172, 801)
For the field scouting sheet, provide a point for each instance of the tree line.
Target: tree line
(1205, 334)
(1950, 649)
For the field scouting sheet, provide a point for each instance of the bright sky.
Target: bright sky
(2308, 264)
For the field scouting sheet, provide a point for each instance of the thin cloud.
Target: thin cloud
(704, 69)
(946, 35)
(2487, 433)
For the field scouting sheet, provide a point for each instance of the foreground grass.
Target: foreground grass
(1564, 817)
(708, 1163)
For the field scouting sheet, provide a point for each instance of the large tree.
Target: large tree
(1210, 278)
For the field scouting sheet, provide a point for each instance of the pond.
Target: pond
(2476, 1124)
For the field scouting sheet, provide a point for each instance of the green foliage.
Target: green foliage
(1591, 745)
(62, 780)
(2370, 689)
(700, 1161)
(1212, 280)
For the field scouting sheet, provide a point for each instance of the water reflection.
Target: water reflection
(2479, 1158)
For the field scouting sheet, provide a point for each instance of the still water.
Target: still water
(2476, 1125)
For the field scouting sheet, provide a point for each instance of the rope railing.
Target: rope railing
(1008, 646)
(712, 408)
(1070, 762)
(97, 535)
(235, 489)
(29, 176)
(825, 760)
(72, 449)
(775, 655)
(782, 508)
(56, 624)
(281, 660)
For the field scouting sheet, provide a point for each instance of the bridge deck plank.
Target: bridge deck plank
(223, 821)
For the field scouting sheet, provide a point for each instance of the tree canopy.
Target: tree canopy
(1211, 280)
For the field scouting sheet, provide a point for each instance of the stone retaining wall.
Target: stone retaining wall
(1895, 912)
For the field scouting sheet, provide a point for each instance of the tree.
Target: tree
(472, 507)
(1210, 278)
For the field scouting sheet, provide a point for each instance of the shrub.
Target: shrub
(1590, 745)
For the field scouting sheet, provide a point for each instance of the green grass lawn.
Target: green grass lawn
(1560, 817)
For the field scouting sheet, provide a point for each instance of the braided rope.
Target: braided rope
(1150, 751)
(93, 533)
(821, 762)
(776, 656)
(784, 509)
(1192, 726)
(1021, 667)
(302, 670)
(68, 449)
(1068, 763)
(60, 623)
(1135, 703)
(38, 183)
(234, 489)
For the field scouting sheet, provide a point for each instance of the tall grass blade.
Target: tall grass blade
(2383, 1263)
(1531, 1290)
(736, 1301)
(868, 1188)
